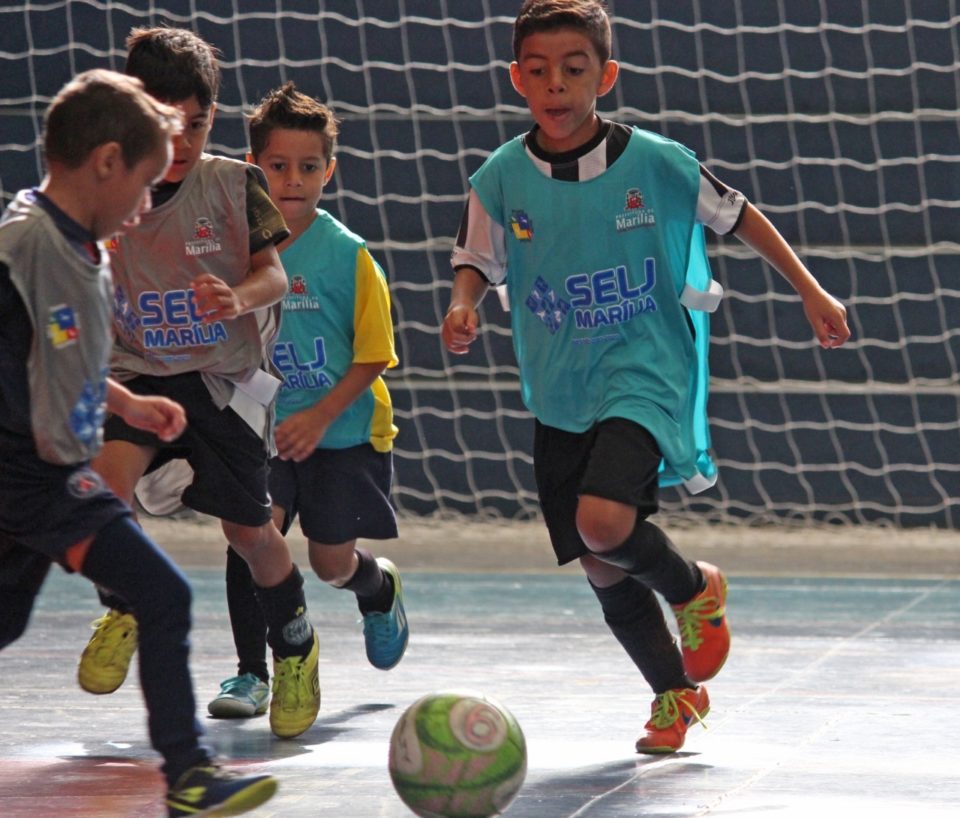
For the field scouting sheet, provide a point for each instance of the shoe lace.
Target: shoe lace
(666, 709)
(111, 629)
(382, 627)
(290, 680)
(238, 684)
(690, 619)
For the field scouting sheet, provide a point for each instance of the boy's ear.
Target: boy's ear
(516, 79)
(611, 70)
(331, 166)
(250, 160)
(106, 158)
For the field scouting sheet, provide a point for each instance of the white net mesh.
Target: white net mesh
(839, 120)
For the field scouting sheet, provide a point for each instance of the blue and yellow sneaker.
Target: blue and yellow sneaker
(106, 658)
(209, 791)
(240, 697)
(671, 715)
(386, 634)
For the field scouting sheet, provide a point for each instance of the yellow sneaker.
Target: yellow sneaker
(106, 658)
(296, 692)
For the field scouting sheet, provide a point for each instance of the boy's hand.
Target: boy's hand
(459, 329)
(165, 418)
(297, 437)
(828, 317)
(215, 299)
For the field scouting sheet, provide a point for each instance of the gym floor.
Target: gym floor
(839, 695)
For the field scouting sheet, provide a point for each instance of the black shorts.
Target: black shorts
(339, 494)
(228, 458)
(616, 459)
(45, 509)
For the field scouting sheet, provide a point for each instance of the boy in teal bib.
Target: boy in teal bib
(595, 230)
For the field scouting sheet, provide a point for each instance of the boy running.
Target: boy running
(105, 142)
(334, 416)
(193, 283)
(595, 228)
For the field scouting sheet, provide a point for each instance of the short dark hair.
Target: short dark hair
(286, 107)
(588, 16)
(174, 64)
(100, 106)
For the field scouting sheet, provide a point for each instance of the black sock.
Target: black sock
(649, 556)
(635, 617)
(246, 618)
(371, 584)
(289, 632)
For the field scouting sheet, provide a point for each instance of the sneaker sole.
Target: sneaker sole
(232, 709)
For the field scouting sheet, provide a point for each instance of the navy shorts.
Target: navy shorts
(339, 494)
(616, 459)
(45, 509)
(229, 459)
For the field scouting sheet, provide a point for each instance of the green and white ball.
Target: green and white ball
(457, 754)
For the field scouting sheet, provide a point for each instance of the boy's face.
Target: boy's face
(561, 76)
(127, 193)
(188, 146)
(297, 170)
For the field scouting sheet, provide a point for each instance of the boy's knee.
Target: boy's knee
(247, 540)
(604, 524)
(332, 571)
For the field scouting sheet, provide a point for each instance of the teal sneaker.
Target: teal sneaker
(240, 698)
(386, 634)
(210, 791)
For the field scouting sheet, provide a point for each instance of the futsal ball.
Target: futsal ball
(457, 754)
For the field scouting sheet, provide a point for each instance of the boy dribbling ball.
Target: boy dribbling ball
(595, 229)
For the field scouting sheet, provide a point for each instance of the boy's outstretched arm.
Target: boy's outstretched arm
(459, 328)
(162, 416)
(826, 315)
(265, 284)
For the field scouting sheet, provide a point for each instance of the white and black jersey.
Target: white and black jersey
(480, 241)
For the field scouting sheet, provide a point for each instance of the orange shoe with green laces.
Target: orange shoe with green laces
(704, 635)
(672, 714)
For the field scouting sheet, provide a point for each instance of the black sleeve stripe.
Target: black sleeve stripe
(715, 183)
(458, 267)
(464, 222)
(736, 224)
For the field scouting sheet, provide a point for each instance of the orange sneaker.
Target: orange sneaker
(704, 635)
(671, 715)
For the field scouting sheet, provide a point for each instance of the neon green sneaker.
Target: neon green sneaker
(210, 791)
(386, 634)
(296, 693)
(240, 698)
(106, 658)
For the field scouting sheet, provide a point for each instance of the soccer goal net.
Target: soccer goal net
(839, 120)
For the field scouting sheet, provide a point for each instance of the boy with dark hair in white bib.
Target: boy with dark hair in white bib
(595, 229)
(196, 288)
